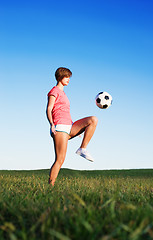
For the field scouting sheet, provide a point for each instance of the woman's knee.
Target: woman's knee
(94, 120)
(60, 159)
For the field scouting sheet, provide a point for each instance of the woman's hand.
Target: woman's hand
(53, 129)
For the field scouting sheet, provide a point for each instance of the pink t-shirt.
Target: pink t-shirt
(61, 108)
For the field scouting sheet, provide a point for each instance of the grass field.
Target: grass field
(106, 205)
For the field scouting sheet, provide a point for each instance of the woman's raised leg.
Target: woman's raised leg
(88, 126)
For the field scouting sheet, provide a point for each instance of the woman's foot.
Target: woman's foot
(84, 153)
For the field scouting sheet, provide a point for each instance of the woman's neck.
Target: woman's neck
(60, 86)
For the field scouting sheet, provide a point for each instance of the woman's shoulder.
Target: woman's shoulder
(53, 91)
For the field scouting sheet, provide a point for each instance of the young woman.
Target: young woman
(61, 126)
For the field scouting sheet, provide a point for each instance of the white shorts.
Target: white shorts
(62, 128)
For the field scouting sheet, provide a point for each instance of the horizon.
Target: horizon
(47, 169)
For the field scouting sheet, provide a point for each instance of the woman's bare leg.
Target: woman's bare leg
(86, 125)
(60, 145)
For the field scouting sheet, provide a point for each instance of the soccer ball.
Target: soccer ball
(103, 100)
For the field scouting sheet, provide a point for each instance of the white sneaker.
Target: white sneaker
(83, 153)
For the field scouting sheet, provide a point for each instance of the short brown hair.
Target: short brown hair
(62, 72)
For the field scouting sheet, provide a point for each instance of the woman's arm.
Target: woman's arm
(51, 101)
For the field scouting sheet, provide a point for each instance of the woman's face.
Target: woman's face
(65, 81)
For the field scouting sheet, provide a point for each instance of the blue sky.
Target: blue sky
(108, 45)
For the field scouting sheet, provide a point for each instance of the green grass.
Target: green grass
(106, 205)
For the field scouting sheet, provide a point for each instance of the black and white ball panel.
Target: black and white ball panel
(103, 100)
